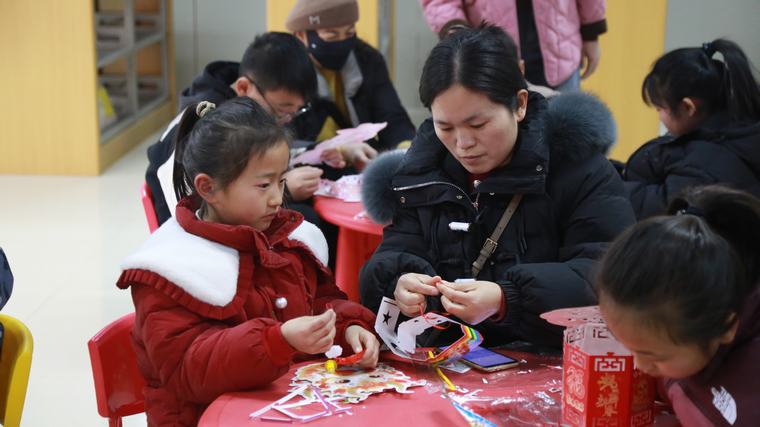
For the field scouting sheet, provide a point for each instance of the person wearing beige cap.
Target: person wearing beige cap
(353, 82)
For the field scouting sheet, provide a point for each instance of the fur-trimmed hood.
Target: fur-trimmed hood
(569, 127)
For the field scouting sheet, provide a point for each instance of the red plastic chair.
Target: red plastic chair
(118, 381)
(150, 209)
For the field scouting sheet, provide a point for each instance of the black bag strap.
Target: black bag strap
(489, 247)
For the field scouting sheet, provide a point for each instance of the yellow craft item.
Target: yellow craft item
(443, 377)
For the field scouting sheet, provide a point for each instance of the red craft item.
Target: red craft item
(350, 360)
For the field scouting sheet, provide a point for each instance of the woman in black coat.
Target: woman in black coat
(490, 142)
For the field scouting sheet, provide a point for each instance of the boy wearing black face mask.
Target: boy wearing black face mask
(353, 82)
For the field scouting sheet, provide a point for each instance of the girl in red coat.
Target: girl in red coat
(229, 292)
(681, 292)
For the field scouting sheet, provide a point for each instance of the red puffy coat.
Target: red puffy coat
(206, 320)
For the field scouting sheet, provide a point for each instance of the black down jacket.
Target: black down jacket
(213, 85)
(716, 152)
(573, 204)
(375, 101)
(6, 282)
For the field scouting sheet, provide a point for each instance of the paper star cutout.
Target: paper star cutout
(386, 317)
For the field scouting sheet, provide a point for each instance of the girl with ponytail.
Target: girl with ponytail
(681, 292)
(709, 101)
(233, 289)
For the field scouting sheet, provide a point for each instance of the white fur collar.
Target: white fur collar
(206, 270)
(311, 236)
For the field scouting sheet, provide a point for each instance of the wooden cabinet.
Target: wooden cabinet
(82, 82)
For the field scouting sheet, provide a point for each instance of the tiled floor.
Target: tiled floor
(65, 237)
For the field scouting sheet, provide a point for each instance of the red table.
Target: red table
(538, 380)
(357, 240)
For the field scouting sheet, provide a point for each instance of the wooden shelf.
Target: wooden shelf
(52, 125)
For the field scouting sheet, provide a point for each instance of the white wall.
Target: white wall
(413, 42)
(210, 30)
(693, 22)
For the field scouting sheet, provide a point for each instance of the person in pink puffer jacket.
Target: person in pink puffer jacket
(554, 36)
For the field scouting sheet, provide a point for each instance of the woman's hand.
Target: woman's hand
(361, 339)
(302, 182)
(472, 301)
(310, 334)
(411, 290)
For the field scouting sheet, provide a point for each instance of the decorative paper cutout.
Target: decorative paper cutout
(355, 135)
(303, 404)
(403, 340)
(574, 316)
(353, 385)
(347, 188)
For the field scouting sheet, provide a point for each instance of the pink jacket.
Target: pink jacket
(561, 26)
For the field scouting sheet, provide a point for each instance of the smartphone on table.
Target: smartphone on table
(486, 360)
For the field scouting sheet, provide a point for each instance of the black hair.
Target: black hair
(722, 85)
(688, 273)
(276, 60)
(221, 143)
(483, 59)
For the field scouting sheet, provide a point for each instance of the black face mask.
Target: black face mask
(332, 55)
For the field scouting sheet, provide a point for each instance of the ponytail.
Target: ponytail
(739, 85)
(689, 273)
(182, 183)
(722, 85)
(220, 141)
(735, 216)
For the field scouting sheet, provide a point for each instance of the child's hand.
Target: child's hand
(361, 339)
(310, 334)
(303, 182)
(359, 154)
(333, 157)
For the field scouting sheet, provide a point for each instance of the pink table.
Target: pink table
(537, 379)
(357, 240)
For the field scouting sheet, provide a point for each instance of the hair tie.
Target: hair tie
(708, 49)
(204, 107)
(691, 210)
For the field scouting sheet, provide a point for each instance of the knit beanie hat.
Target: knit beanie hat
(313, 14)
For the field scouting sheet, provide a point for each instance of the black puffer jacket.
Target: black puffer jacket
(716, 152)
(573, 204)
(375, 101)
(6, 281)
(214, 85)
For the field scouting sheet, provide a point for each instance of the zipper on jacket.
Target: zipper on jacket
(431, 183)
(521, 240)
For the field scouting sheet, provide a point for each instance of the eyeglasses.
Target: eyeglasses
(291, 116)
(281, 119)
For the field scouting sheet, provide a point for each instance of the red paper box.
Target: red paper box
(601, 387)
